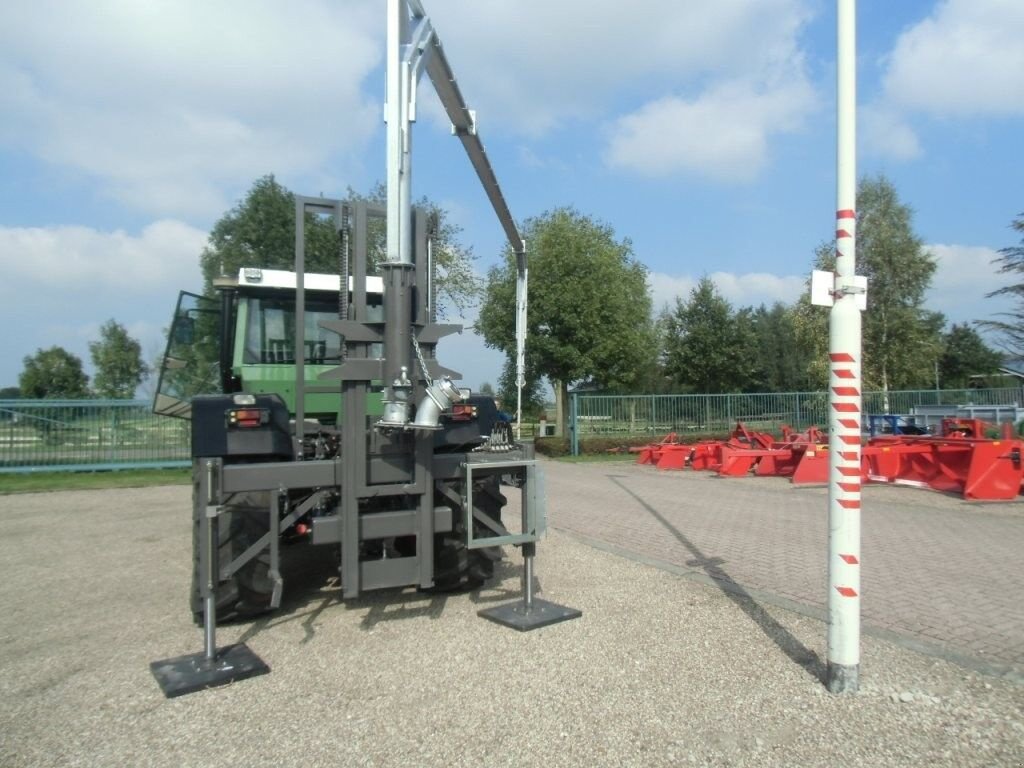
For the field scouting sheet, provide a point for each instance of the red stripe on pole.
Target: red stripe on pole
(846, 407)
(843, 373)
(850, 439)
(846, 391)
(849, 471)
(850, 559)
(849, 487)
(847, 591)
(849, 503)
(849, 455)
(842, 233)
(841, 357)
(846, 213)
(850, 423)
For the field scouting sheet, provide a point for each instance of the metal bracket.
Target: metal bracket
(533, 522)
(825, 289)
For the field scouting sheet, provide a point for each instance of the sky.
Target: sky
(702, 131)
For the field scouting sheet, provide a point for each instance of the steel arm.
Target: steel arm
(422, 50)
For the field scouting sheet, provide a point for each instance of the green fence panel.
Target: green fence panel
(657, 415)
(57, 435)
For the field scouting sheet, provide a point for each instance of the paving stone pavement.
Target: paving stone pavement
(939, 573)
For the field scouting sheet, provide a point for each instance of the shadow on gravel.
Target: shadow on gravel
(311, 576)
(778, 634)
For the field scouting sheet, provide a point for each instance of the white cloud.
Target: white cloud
(84, 261)
(965, 59)
(62, 283)
(885, 132)
(722, 134)
(533, 65)
(964, 274)
(750, 289)
(169, 106)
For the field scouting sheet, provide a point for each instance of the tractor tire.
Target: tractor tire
(247, 592)
(456, 567)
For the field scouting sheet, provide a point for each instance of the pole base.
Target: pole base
(843, 678)
(187, 674)
(540, 614)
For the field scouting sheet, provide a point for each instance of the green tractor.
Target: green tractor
(302, 444)
(320, 414)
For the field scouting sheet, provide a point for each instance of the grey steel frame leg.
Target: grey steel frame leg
(532, 612)
(210, 668)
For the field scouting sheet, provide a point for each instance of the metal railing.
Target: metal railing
(628, 415)
(56, 435)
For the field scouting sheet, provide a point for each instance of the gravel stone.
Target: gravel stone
(660, 670)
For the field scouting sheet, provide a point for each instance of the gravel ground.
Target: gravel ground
(661, 670)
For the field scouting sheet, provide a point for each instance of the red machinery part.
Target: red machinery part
(980, 470)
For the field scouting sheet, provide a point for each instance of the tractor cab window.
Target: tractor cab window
(270, 331)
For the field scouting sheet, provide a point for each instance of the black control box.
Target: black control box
(240, 425)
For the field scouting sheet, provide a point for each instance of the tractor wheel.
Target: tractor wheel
(456, 567)
(247, 592)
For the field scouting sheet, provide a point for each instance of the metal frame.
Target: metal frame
(532, 512)
(414, 47)
(408, 326)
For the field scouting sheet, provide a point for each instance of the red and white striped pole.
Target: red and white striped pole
(844, 344)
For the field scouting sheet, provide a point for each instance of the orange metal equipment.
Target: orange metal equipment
(960, 461)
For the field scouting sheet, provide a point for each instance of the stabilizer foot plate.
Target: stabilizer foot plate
(194, 672)
(540, 614)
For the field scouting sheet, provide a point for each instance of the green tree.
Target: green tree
(1010, 325)
(901, 338)
(486, 389)
(53, 374)
(708, 345)
(533, 391)
(965, 354)
(260, 232)
(10, 393)
(457, 284)
(118, 360)
(589, 305)
(781, 362)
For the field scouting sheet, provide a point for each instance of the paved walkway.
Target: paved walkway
(938, 572)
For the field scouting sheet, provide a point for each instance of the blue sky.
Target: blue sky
(702, 131)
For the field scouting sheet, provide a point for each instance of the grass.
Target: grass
(597, 458)
(41, 482)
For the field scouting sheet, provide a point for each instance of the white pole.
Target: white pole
(396, 115)
(845, 386)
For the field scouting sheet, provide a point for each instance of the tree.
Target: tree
(781, 362)
(118, 360)
(10, 393)
(1010, 328)
(708, 346)
(260, 232)
(486, 389)
(901, 339)
(508, 393)
(457, 283)
(53, 374)
(589, 312)
(965, 354)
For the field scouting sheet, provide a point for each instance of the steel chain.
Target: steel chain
(419, 356)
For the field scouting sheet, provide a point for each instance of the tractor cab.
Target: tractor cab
(243, 340)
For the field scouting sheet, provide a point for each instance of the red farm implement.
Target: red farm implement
(978, 469)
(960, 461)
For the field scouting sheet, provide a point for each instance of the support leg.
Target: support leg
(532, 612)
(210, 668)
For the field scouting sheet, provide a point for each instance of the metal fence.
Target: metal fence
(58, 435)
(124, 434)
(626, 415)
